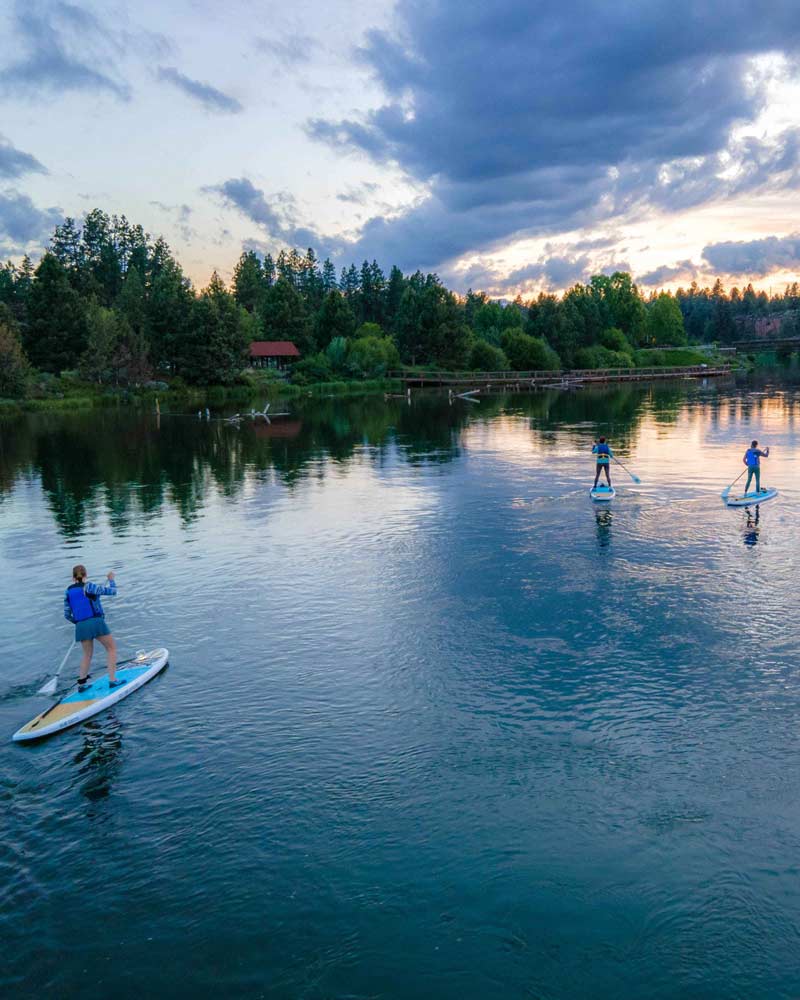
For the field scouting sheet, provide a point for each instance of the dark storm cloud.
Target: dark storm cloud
(15, 163)
(755, 257)
(211, 98)
(530, 119)
(61, 47)
(21, 222)
(277, 215)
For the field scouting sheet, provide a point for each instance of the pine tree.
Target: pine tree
(334, 319)
(284, 316)
(56, 335)
(248, 281)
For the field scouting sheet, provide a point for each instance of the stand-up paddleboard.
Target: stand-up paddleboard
(749, 499)
(601, 493)
(95, 697)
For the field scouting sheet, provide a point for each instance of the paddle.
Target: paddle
(727, 489)
(636, 479)
(50, 686)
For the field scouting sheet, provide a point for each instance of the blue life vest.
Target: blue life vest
(602, 454)
(82, 606)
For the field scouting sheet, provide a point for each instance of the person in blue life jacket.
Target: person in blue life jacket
(82, 607)
(604, 456)
(752, 459)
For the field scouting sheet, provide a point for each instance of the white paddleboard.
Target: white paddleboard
(749, 499)
(602, 493)
(95, 697)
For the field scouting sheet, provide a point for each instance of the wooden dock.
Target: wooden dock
(552, 380)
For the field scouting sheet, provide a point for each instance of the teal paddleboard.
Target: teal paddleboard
(750, 499)
(83, 703)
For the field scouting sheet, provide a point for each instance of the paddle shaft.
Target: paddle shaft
(727, 489)
(634, 478)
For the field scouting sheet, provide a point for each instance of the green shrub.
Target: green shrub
(526, 353)
(316, 368)
(485, 357)
(372, 356)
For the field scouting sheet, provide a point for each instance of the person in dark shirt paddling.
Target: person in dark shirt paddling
(604, 456)
(82, 607)
(751, 459)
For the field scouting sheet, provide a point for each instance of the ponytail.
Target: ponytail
(79, 573)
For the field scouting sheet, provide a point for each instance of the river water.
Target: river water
(434, 725)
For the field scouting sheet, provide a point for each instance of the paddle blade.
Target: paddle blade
(636, 479)
(49, 687)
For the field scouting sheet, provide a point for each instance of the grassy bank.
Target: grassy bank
(82, 397)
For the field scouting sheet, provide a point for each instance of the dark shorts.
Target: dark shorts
(600, 467)
(91, 629)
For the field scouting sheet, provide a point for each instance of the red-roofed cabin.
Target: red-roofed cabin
(273, 353)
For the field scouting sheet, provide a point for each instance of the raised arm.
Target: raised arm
(102, 590)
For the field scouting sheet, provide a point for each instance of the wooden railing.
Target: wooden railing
(565, 376)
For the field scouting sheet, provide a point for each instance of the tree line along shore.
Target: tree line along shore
(108, 308)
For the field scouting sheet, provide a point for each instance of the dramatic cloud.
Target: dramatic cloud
(21, 222)
(15, 163)
(530, 119)
(276, 216)
(63, 47)
(211, 98)
(755, 257)
(554, 271)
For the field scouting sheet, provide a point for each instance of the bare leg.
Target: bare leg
(107, 641)
(87, 645)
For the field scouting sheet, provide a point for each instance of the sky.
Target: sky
(512, 146)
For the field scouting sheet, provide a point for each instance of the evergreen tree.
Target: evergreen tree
(56, 334)
(392, 296)
(214, 345)
(170, 309)
(329, 281)
(131, 302)
(334, 319)
(284, 316)
(248, 281)
(65, 246)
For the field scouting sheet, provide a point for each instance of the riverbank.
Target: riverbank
(82, 397)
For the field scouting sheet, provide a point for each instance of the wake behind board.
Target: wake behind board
(749, 499)
(95, 697)
(602, 493)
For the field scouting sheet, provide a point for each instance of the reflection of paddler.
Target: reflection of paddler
(604, 456)
(751, 459)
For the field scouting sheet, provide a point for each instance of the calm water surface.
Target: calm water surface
(434, 725)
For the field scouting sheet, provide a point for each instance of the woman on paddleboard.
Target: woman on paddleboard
(752, 460)
(82, 607)
(604, 456)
